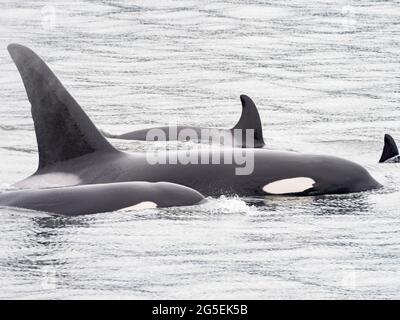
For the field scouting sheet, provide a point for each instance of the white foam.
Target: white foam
(225, 205)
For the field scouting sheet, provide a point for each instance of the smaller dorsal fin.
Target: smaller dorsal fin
(250, 119)
(390, 149)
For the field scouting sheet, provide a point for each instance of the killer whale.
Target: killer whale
(249, 120)
(73, 152)
(97, 198)
(390, 153)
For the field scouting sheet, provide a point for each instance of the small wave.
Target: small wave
(8, 127)
(6, 187)
(20, 149)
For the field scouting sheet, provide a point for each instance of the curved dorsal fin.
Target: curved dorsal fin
(390, 149)
(250, 119)
(63, 130)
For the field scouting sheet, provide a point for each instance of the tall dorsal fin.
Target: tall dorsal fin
(390, 149)
(63, 130)
(250, 119)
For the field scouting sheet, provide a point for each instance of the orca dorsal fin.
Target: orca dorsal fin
(390, 149)
(63, 130)
(250, 119)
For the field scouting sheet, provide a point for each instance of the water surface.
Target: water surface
(325, 76)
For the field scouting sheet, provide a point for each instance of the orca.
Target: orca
(97, 198)
(236, 136)
(72, 151)
(390, 153)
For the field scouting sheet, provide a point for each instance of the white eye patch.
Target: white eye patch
(141, 206)
(288, 186)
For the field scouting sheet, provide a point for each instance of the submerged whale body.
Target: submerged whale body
(236, 136)
(97, 198)
(72, 151)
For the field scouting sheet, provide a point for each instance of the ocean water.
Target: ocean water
(325, 76)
